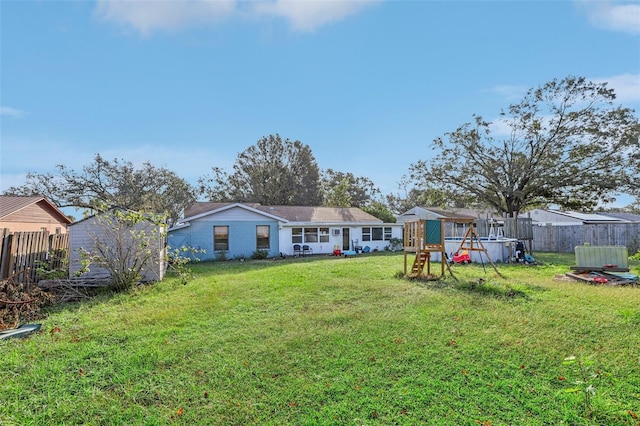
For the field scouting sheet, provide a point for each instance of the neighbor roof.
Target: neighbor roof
(449, 214)
(623, 215)
(588, 217)
(10, 204)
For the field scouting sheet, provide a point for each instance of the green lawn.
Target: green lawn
(327, 340)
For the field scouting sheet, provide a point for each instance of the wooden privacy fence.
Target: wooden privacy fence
(565, 238)
(21, 253)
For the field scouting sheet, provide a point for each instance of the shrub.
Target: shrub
(260, 254)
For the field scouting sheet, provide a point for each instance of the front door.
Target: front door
(346, 241)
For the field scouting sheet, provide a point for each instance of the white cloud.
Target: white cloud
(626, 86)
(501, 127)
(8, 180)
(11, 112)
(189, 164)
(149, 16)
(510, 93)
(308, 15)
(621, 16)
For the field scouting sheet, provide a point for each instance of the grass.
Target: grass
(326, 340)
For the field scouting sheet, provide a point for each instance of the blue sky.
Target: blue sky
(367, 85)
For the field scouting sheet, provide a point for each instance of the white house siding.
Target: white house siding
(544, 217)
(81, 236)
(355, 235)
(242, 219)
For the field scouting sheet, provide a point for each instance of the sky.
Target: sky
(367, 84)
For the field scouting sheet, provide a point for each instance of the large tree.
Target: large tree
(342, 189)
(104, 184)
(567, 144)
(427, 194)
(271, 172)
(633, 183)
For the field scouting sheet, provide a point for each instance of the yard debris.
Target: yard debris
(74, 289)
(602, 265)
(604, 278)
(21, 302)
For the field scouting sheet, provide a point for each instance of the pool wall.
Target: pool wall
(499, 250)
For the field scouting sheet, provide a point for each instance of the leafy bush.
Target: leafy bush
(179, 257)
(395, 244)
(260, 254)
(124, 243)
(56, 265)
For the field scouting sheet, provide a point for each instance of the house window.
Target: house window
(220, 238)
(387, 233)
(375, 233)
(324, 235)
(262, 237)
(296, 235)
(310, 235)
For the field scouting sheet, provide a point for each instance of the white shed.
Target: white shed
(104, 230)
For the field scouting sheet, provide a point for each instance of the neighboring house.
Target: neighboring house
(21, 214)
(84, 234)
(432, 213)
(562, 231)
(543, 217)
(487, 223)
(631, 217)
(241, 229)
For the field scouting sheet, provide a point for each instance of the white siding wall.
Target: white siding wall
(82, 234)
(544, 217)
(355, 233)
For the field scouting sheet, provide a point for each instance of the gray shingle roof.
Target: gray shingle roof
(295, 213)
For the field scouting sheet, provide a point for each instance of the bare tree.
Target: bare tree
(112, 183)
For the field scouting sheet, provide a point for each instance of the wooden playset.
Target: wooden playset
(425, 237)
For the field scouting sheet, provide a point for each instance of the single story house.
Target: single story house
(238, 230)
(487, 223)
(433, 213)
(548, 217)
(115, 237)
(28, 214)
(562, 231)
(631, 217)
